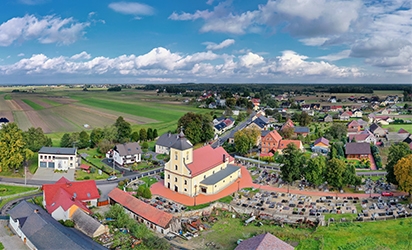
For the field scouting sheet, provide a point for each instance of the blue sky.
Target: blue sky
(163, 41)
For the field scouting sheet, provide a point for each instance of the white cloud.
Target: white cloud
(32, 2)
(314, 41)
(132, 8)
(161, 63)
(49, 29)
(20, 54)
(224, 44)
(337, 56)
(82, 55)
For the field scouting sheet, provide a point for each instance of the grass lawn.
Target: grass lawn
(32, 104)
(6, 190)
(51, 102)
(396, 127)
(161, 157)
(148, 180)
(93, 157)
(33, 164)
(81, 175)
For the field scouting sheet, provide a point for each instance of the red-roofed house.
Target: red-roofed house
(152, 217)
(64, 197)
(354, 127)
(345, 116)
(270, 142)
(205, 170)
(284, 144)
(256, 103)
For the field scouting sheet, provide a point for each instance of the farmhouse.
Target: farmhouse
(38, 230)
(364, 136)
(357, 150)
(204, 170)
(58, 158)
(345, 116)
(64, 197)
(152, 217)
(377, 130)
(270, 141)
(127, 153)
(354, 127)
(164, 142)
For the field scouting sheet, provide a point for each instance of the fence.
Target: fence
(148, 173)
(19, 194)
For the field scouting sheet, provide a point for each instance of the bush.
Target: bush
(67, 223)
(147, 193)
(86, 178)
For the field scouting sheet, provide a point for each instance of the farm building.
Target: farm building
(127, 153)
(64, 197)
(58, 158)
(164, 142)
(152, 217)
(204, 170)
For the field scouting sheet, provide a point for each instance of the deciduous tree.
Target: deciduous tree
(65, 140)
(396, 152)
(245, 139)
(96, 136)
(143, 134)
(84, 140)
(314, 171)
(123, 130)
(35, 139)
(336, 131)
(334, 174)
(13, 149)
(135, 136)
(292, 162)
(403, 173)
(197, 127)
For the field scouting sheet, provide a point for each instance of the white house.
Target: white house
(58, 158)
(127, 153)
(164, 142)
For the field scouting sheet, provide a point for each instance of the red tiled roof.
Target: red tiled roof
(266, 154)
(358, 137)
(141, 208)
(65, 200)
(84, 166)
(80, 190)
(284, 143)
(264, 242)
(206, 158)
(275, 135)
(402, 131)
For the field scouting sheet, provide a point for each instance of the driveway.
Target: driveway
(49, 174)
(10, 240)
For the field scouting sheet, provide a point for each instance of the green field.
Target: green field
(51, 102)
(396, 127)
(32, 104)
(7, 97)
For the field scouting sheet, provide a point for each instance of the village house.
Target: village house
(270, 141)
(205, 170)
(355, 150)
(300, 131)
(305, 107)
(3, 121)
(64, 197)
(357, 113)
(377, 130)
(315, 106)
(223, 125)
(336, 108)
(126, 153)
(153, 218)
(38, 230)
(345, 116)
(256, 103)
(364, 136)
(61, 159)
(284, 144)
(353, 127)
(327, 118)
(164, 142)
(321, 145)
(263, 242)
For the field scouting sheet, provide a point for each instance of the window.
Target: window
(54, 157)
(175, 179)
(204, 177)
(71, 158)
(175, 167)
(168, 176)
(185, 189)
(187, 155)
(185, 182)
(176, 156)
(41, 156)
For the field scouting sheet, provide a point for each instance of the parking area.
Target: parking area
(49, 174)
(9, 239)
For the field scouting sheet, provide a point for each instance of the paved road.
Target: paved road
(223, 138)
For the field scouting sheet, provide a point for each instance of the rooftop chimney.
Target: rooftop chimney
(36, 211)
(224, 158)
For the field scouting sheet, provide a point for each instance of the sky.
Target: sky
(205, 41)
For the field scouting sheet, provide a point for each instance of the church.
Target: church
(202, 171)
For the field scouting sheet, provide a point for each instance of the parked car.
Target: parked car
(387, 194)
(112, 178)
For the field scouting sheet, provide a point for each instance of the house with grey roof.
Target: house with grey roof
(164, 142)
(377, 130)
(38, 230)
(356, 150)
(58, 158)
(127, 153)
(263, 242)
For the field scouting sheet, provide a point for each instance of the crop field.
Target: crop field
(61, 109)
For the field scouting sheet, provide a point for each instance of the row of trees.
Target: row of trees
(316, 170)
(104, 138)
